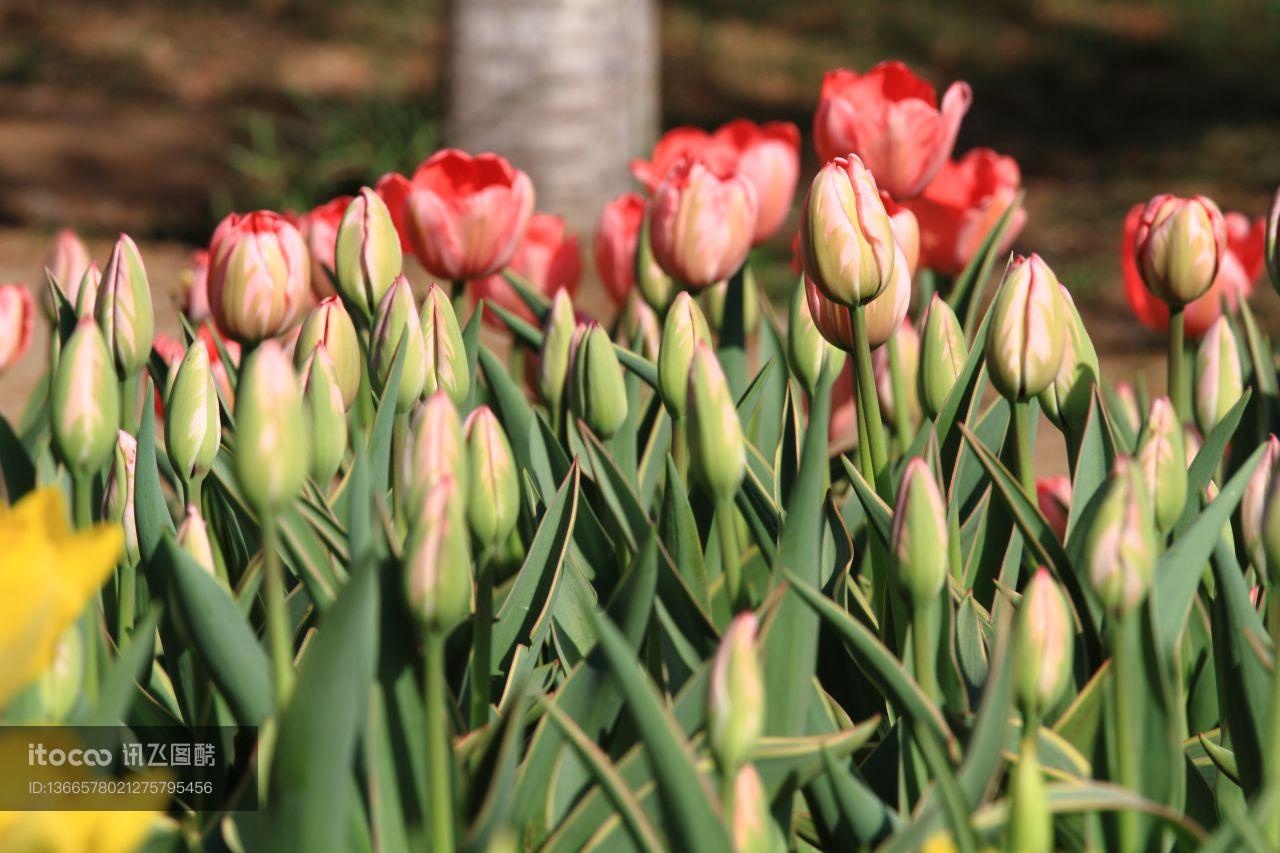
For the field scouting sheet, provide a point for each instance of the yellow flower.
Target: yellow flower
(47, 574)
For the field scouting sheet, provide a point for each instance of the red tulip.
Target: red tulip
(615, 244)
(962, 204)
(17, 315)
(393, 188)
(465, 215)
(701, 222)
(259, 275)
(320, 229)
(678, 144)
(1053, 494)
(547, 258)
(906, 230)
(890, 118)
(768, 156)
(195, 285)
(1238, 270)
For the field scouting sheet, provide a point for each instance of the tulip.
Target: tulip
(751, 826)
(1044, 640)
(85, 401)
(193, 537)
(123, 308)
(768, 156)
(962, 204)
(557, 340)
(438, 560)
(195, 288)
(1066, 400)
(319, 228)
(66, 260)
(906, 231)
(1178, 246)
(259, 275)
(919, 535)
(943, 352)
(272, 440)
(17, 317)
(1162, 461)
(1053, 497)
(883, 315)
(465, 215)
(1253, 504)
(701, 222)
(192, 426)
(435, 450)
(329, 325)
(735, 701)
(640, 329)
(890, 118)
(117, 497)
(655, 286)
(847, 238)
(907, 341)
(682, 143)
(1219, 381)
(599, 394)
(446, 363)
(1120, 546)
(717, 448)
(393, 189)
(807, 349)
(1127, 409)
(1027, 335)
(615, 244)
(493, 484)
(326, 416)
(367, 253)
(684, 328)
(396, 325)
(548, 259)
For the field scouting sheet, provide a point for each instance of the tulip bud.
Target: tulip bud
(1272, 247)
(735, 705)
(1053, 497)
(1253, 505)
(717, 449)
(438, 560)
(397, 321)
(326, 415)
(192, 426)
(259, 275)
(66, 260)
(330, 324)
(919, 535)
(713, 299)
(1066, 400)
(943, 351)
(193, 537)
(557, 338)
(1045, 636)
(17, 317)
(367, 254)
(652, 281)
(86, 301)
(908, 342)
(1121, 542)
(117, 498)
(493, 485)
(1127, 406)
(272, 443)
(807, 349)
(62, 682)
(1027, 336)
(446, 358)
(701, 222)
(845, 235)
(1162, 461)
(435, 450)
(599, 393)
(752, 828)
(684, 328)
(1179, 246)
(85, 401)
(1219, 380)
(906, 230)
(123, 308)
(640, 329)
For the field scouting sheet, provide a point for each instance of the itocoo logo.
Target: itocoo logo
(39, 755)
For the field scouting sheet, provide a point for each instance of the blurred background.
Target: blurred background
(157, 117)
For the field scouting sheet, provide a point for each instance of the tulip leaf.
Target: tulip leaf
(379, 445)
(149, 506)
(531, 296)
(132, 663)
(15, 463)
(493, 802)
(624, 507)
(877, 511)
(963, 392)
(1203, 468)
(679, 533)
(1094, 455)
(864, 816)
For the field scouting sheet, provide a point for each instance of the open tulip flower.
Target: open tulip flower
(319, 228)
(701, 222)
(548, 258)
(617, 237)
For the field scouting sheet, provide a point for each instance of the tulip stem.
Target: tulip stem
(730, 558)
(925, 628)
(1022, 438)
(680, 446)
(1125, 650)
(82, 496)
(481, 659)
(1030, 823)
(898, 386)
(867, 401)
(1272, 827)
(279, 634)
(1177, 391)
(439, 754)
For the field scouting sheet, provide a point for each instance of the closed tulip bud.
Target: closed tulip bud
(553, 361)
(640, 329)
(192, 426)
(1272, 243)
(86, 301)
(682, 331)
(1120, 546)
(326, 416)
(436, 449)
(259, 275)
(883, 315)
(1253, 504)
(330, 325)
(438, 559)
(1162, 460)
(752, 827)
(943, 352)
(908, 343)
(599, 394)
(702, 220)
(1219, 380)
(717, 449)
(66, 259)
(85, 401)
(367, 254)
(1127, 406)
(397, 325)
(446, 358)
(1027, 335)
(846, 238)
(919, 535)
(17, 318)
(1066, 400)
(272, 441)
(1053, 496)
(63, 681)
(117, 498)
(193, 537)
(713, 299)
(1045, 636)
(123, 309)
(657, 288)
(493, 485)
(807, 349)
(735, 704)
(1179, 246)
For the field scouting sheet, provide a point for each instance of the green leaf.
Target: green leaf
(679, 532)
(15, 463)
(1205, 465)
(879, 514)
(150, 509)
(132, 662)
(379, 446)
(965, 296)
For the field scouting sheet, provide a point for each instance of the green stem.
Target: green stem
(680, 446)
(1030, 824)
(482, 654)
(279, 632)
(1177, 383)
(1022, 437)
(439, 754)
(127, 595)
(864, 443)
(925, 628)
(730, 558)
(898, 384)
(1272, 827)
(1127, 732)
(129, 403)
(82, 500)
(866, 387)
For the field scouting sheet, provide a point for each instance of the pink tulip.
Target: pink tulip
(701, 222)
(890, 118)
(67, 258)
(195, 284)
(393, 189)
(547, 257)
(1053, 494)
(320, 229)
(680, 143)
(259, 275)
(17, 315)
(615, 244)
(906, 230)
(768, 156)
(1178, 246)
